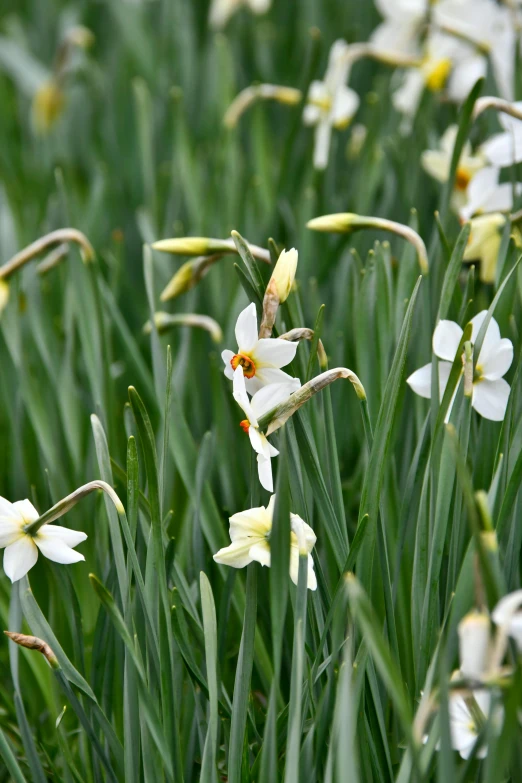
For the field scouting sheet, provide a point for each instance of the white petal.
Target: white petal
(267, 376)
(274, 352)
(311, 114)
(464, 76)
(446, 339)
(261, 553)
(420, 381)
(241, 397)
(345, 106)
(258, 441)
(490, 398)
(504, 149)
(323, 133)
(437, 164)
(273, 452)
(502, 198)
(491, 338)
(264, 469)
(27, 510)
(497, 362)
(506, 608)
(406, 98)
(309, 534)
(480, 190)
(254, 523)
(246, 329)
(227, 357)
(236, 555)
(70, 537)
(19, 558)
(311, 581)
(8, 509)
(10, 530)
(269, 396)
(54, 548)
(318, 92)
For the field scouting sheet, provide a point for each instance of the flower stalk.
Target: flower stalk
(165, 321)
(59, 236)
(347, 222)
(288, 96)
(499, 104)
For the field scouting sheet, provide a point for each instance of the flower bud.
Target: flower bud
(284, 273)
(191, 246)
(34, 643)
(187, 276)
(474, 638)
(4, 294)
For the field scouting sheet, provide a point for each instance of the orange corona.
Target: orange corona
(245, 425)
(240, 359)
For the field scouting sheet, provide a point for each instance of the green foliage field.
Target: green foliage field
(171, 666)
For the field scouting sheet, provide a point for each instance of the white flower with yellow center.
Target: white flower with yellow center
(21, 549)
(261, 359)
(485, 194)
(437, 164)
(505, 149)
(464, 728)
(490, 390)
(330, 103)
(262, 402)
(250, 536)
(222, 10)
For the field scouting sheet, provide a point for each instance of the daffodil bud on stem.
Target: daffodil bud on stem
(278, 289)
(474, 644)
(59, 236)
(279, 415)
(188, 276)
(34, 643)
(499, 104)
(303, 333)
(250, 95)
(165, 321)
(198, 246)
(346, 222)
(63, 506)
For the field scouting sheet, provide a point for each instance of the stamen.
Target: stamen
(462, 179)
(245, 425)
(240, 359)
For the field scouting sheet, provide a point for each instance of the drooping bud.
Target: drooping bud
(34, 643)
(346, 222)
(188, 276)
(474, 644)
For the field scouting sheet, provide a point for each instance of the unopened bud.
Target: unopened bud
(4, 294)
(283, 275)
(474, 638)
(34, 643)
(191, 246)
(188, 275)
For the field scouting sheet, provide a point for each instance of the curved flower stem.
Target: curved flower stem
(346, 222)
(499, 104)
(359, 51)
(250, 95)
(65, 505)
(60, 236)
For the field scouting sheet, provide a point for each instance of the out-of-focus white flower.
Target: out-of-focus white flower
(250, 535)
(505, 149)
(484, 243)
(474, 644)
(262, 402)
(438, 162)
(463, 725)
(21, 549)
(262, 359)
(330, 103)
(401, 27)
(489, 26)
(490, 390)
(507, 615)
(222, 10)
(485, 194)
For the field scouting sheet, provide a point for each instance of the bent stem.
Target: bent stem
(59, 236)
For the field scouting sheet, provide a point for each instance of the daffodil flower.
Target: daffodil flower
(222, 10)
(400, 30)
(490, 390)
(250, 536)
(505, 149)
(484, 243)
(437, 164)
(330, 103)
(261, 359)
(262, 402)
(21, 549)
(463, 725)
(485, 194)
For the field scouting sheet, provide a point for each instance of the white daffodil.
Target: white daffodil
(262, 402)
(507, 615)
(505, 149)
(250, 535)
(222, 10)
(21, 549)
(490, 390)
(400, 30)
(464, 728)
(262, 359)
(489, 28)
(485, 194)
(484, 243)
(437, 163)
(330, 103)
